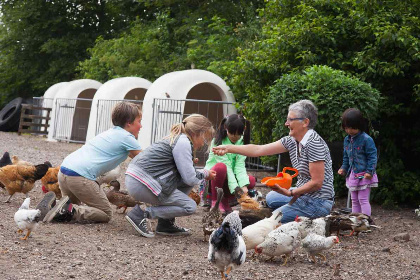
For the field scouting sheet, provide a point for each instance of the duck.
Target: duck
(214, 218)
(119, 198)
(356, 222)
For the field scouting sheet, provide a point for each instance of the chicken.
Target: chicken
(317, 226)
(50, 181)
(227, 248)
(194, 196)
(17, 161)
(314, 244)
(109, 176)
(26, 218)
(118, 197)
(254, 234)
(282, 241)
(246, 202)
(20, 178)
(213, 219)
(5, 160)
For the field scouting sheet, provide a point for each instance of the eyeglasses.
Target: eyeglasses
(294, 119)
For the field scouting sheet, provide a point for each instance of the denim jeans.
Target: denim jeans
(305, 206)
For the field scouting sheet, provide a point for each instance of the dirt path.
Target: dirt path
(116, 251)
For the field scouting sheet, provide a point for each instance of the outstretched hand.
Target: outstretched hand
(221, 150)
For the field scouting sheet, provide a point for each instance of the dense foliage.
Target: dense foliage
(261, 48)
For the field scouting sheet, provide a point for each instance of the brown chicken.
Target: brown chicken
(17, 161)
(246, 202)
(50, 181)
(20, 178)
(194, 196)
(119, 198)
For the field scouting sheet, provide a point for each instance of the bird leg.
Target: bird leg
(322, 256)
(27, 235)
(286, 257)
(228, 270)
(351, 234)
(313, 258)
(8, 200)
(125, 209)
(223, 275)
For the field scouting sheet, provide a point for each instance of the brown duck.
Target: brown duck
(213, 219)
(119, 198)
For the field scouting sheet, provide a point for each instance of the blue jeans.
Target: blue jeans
(305, 206)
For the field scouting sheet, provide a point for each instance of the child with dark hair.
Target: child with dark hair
(359, 160)
(230, 168)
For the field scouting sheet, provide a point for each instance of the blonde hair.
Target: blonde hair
(193, 125)
(125, 112)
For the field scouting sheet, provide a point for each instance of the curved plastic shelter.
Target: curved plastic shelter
(176, 95)
(71, 110)
(51, 92)
(110, 93)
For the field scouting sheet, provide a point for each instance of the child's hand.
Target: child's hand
(341, 172)
(368, 176)
(245, 189)
(212, 175)
(196, 160)
(220, 150)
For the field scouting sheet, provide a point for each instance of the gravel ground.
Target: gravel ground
(116, 251)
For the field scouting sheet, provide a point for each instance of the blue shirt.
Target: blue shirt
(359, 154)
(102, 153)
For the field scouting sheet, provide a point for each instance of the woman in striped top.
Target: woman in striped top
(313, 196)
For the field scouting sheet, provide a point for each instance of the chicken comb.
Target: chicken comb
(297, 218)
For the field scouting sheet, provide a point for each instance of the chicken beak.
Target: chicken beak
(258, 250)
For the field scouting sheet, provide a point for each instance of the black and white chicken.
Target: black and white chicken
(227, 248)
(26, 218)
(314, 244)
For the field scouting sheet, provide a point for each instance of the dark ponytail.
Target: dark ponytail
(235, 124)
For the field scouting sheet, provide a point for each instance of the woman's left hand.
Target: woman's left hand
(368, 176)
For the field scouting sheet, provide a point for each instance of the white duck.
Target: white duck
(254, 234)
(26, 218)
(314, 244)
(227, 248)
(109, 176)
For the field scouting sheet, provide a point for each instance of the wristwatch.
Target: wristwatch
(291, 192)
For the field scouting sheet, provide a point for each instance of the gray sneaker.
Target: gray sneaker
(138, 219)
(46, 204)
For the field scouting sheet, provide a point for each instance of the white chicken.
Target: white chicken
(254, 234)
(317, 226)
(314, 244)
(227, 248)
(26, 218)
(109, 176)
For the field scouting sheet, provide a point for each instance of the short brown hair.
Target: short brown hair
(125, 112)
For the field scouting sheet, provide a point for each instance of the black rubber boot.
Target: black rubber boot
(168, 227)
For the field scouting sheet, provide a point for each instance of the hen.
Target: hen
(109, 176)
(254, 234)
(17, 161)
(314, 244)
(119, 198)
(26, 218)
(227, 248)
(5, 160)
(317, 226)
(20, 178)
(246, 202)
(50, 181)
(213, 219)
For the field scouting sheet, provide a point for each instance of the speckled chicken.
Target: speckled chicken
(27, 219)
(21, 178)
(227, 248)
(119, 198)
(314, 244)
(317, 226)
(213, 219)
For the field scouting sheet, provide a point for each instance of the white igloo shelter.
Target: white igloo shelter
(176, 95)
(71, 110)
(109, 94)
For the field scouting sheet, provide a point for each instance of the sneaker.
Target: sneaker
(138, 219)
(168, 227)
(46, 204)
(63, 211)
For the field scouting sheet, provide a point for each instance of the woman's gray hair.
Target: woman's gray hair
(306, 109)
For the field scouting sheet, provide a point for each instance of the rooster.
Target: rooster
(50, 181)
(227, 248)
(254, 234)
(26, 218)
(20, 178)
(314, 244)
(5, 160)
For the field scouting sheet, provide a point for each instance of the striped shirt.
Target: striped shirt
(312, 148)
